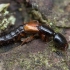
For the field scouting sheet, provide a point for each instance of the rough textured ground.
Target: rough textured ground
(39, 55)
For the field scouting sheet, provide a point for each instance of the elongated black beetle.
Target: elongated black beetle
(34, 27)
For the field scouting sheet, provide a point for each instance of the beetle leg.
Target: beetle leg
(28, 39)
(21, 35)
(44, 37)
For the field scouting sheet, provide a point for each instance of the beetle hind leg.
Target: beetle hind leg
(28, 39)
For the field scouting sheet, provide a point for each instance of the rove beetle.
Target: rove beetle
(33, 27)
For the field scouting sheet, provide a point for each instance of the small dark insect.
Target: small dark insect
(34, 27)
